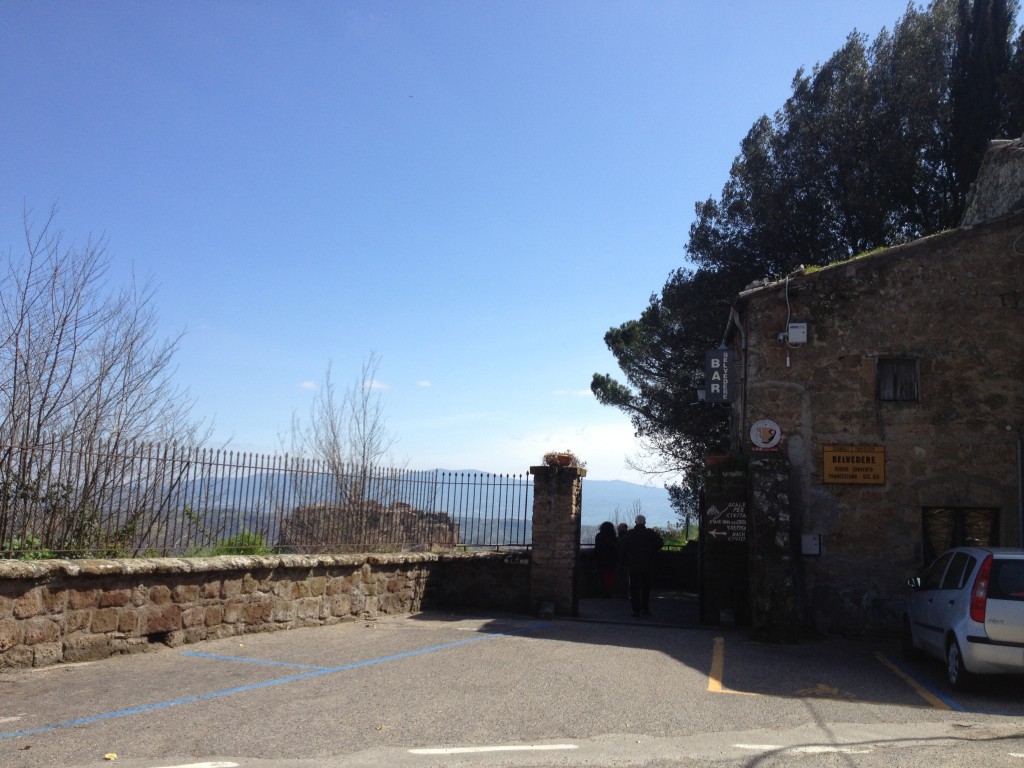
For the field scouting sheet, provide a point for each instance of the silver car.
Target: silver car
(968, 610)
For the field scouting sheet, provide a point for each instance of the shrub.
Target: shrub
(244, 543)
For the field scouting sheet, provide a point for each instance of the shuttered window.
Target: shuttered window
(897, 378)
(946, 527)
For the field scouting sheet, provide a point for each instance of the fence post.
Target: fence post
(557, 503)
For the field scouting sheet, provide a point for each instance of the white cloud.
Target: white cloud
(603, 446)
(494, 442)
(374, 384)
(309, 386)
(423, 383)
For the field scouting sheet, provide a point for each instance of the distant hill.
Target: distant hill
(614, 499)
(260, 493)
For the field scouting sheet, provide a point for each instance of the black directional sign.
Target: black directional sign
(727, 523)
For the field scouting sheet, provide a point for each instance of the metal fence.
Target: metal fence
(125, 500)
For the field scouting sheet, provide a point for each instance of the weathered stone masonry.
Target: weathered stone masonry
(55, 611)
(954, 304)
(557, 517)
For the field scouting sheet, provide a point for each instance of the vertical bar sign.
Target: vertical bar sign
(719, 378)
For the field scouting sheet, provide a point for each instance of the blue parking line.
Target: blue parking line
(316, 672)
(920, 685)
(941, 695)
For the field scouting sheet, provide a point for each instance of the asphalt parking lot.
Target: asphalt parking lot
(460, 689)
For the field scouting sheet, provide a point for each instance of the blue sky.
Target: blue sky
(474, 191)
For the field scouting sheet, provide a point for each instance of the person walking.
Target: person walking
(638, 550)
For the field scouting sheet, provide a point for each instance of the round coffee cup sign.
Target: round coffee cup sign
(765, 434)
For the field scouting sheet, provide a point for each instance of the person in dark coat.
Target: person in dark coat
(606, 555)
(638, 550)
(621, 574)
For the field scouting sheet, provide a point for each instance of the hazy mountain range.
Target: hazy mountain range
(614, 500)
(258, 494)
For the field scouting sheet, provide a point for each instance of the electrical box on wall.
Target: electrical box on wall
(810, 544)
(797, 333)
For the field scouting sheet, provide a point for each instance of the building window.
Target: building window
(897, 378)
(946, 527)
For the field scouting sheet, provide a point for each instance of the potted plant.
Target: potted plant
(563, 459)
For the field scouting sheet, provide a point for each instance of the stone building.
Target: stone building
(879, 413)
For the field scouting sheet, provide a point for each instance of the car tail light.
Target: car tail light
(979, 592)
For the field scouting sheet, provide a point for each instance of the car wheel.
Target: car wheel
(910, 652)
(956, 673)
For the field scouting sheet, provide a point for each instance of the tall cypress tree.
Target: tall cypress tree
(1014, 89)
(981, 65)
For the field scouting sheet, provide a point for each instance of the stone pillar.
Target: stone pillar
(557, 504)
(773, 585)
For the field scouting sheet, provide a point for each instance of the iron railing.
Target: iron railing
(124, 500)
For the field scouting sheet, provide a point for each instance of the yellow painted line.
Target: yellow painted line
(919, 689)
(717, 672)
(717, 668)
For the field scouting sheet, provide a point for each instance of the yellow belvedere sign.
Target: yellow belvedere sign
(854, 464)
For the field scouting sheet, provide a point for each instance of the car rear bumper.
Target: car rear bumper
(983, 656)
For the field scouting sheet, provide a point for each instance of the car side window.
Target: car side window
(1007, 580)
(932, 578)
(959, 567)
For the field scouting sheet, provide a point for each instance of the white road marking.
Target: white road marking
(204, 765)
(808, 750)
(510, 748)
(61, 666)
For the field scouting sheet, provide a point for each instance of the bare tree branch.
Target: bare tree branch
(79, 363)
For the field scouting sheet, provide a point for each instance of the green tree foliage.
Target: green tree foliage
(981, 63)
(662, 357)
(1014, 86)
(876, 146)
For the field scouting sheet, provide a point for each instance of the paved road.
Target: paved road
(458, 690)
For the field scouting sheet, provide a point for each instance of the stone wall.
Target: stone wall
(774, 614)
(55, 611)
(999, 189)
(955, 304)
